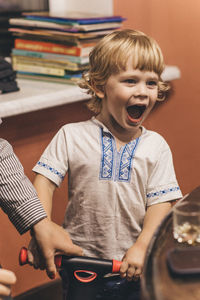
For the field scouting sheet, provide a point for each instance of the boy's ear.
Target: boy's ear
(99, 91)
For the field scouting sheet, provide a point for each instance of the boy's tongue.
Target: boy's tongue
(135, 111)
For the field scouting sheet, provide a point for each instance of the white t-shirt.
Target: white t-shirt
(109, 191)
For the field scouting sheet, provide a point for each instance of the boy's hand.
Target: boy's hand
(132, 263)
(133, 260)
(7, 278)
(49, 239)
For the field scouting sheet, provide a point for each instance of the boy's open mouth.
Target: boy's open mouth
(135, 112)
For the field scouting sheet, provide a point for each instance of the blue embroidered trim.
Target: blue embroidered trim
(41, 164)
(114, 165)
(106, 169)
(126, 160)
(163, 192)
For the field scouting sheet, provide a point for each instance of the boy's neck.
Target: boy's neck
(122, 136)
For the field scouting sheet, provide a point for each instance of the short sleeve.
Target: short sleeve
(53, 163)
(162, 182)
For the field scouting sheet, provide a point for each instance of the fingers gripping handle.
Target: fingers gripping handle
(23, 259)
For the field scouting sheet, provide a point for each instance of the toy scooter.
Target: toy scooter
(85, 274)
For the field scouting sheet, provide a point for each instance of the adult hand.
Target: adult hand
(7, 278)
(50, 239)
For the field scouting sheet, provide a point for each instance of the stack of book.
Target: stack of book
(56, 48)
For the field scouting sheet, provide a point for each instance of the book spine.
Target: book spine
(47, 78)
(67, 65)
(47, 47)
(38, 69)
(51, 56)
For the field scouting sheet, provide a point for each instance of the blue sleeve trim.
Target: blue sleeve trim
(49, 168)
(163, 192)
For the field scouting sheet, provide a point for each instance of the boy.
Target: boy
(121, 176)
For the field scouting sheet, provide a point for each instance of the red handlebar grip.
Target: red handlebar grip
(23, 256)
(116, 266)
(58, 261)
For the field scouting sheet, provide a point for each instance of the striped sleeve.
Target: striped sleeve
(18, 197)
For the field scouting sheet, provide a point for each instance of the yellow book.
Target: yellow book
(38, 69)
(67, 65)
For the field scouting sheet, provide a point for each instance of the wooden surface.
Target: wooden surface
(157, 282)
(49, 291)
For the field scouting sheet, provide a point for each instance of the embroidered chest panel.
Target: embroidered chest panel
(116, 165)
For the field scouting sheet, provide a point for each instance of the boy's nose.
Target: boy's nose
(141, 90)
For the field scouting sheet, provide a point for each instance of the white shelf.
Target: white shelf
(35, 95)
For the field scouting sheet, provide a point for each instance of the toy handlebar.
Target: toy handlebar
(102, 266)
(85, 274)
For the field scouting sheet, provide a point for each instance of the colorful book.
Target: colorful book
(35, 23)
(38, 69)
(73, 17)
(51, 56)
(35, 61)
(42, 46)
(49, 78)
(75, 27)
(77, 35)
(56, 36)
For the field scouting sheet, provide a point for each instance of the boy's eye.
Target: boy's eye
(152, 83)
(130, 81)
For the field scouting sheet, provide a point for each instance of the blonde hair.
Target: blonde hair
(110, 56)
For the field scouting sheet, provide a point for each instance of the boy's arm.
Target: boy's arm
(50, 237)
(45, 189)
(133, 260)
